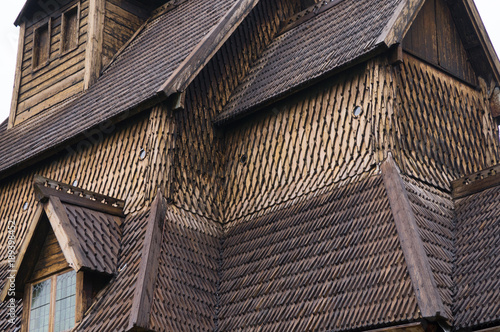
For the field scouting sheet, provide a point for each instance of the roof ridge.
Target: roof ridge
(422, 278)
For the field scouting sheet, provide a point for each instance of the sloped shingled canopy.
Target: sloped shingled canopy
(89, 238)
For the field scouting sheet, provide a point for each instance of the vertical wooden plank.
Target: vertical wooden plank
(93, 56)
(17, 77)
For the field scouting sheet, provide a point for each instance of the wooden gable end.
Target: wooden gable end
(50, 258)
(434, 38)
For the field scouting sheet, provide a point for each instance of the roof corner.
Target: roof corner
(400, 22)
(424, 285)
(148, 269)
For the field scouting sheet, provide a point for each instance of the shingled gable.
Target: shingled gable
(370, 27)
(86, 225)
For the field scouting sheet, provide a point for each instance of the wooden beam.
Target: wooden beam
(477, 182)
(22, 252)
(17, 77)
(93, 56)
(148, 268)
(495, 102)
(64, 232)
(206, 48)
(400, 22)
(44, 188)
(411, 327)
(428, 297)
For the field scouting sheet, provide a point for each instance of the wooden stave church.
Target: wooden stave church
(201, 171)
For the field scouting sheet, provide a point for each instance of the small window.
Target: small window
(53, 303)
(70, 21)
(41, 45)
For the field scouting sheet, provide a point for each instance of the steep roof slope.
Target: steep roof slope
(111, 311)
(333, 262)
(326, 41)
(477, 276)
(134, 78)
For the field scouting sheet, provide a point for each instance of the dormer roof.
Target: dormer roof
(86, 225)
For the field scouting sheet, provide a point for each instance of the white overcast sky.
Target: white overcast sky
(489, 10)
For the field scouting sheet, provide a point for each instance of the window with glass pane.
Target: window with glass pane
(53, 304)
(65, 302)
(40, 307)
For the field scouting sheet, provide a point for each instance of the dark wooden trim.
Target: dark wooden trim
(206, 48)
(22, 252)
(148, 268)
(410, 327)
(83, 295)
(18, 75)
(428, 297)
(64, 232)
(95, 39)
(25, 314)
(483, 37)
(400, 22)
(44, 188)
(477, 182)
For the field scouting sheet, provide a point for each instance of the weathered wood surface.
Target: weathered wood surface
(434, 38)
(199, 170)
(95, 36)
(148, 269)
(51, 258)
(17, 77)
(62, 77)
(476, 182)
(424, 285)
(444, 129)
(209, 45)
(121, 20)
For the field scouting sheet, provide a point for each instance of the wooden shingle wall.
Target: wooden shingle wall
(310, 141)
(62, 77)
(443, 128)
(199, 161)
(108, 161)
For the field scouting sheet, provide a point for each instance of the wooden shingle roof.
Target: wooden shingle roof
(327, 40)
(477, 278)
(133, 79)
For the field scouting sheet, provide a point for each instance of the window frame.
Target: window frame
(62, 49)
(35, 62)
(53, 297)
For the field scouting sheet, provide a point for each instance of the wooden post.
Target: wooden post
(17, 78)
(95, 35)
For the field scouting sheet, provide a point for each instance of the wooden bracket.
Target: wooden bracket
(45, 188)
(477, 182)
